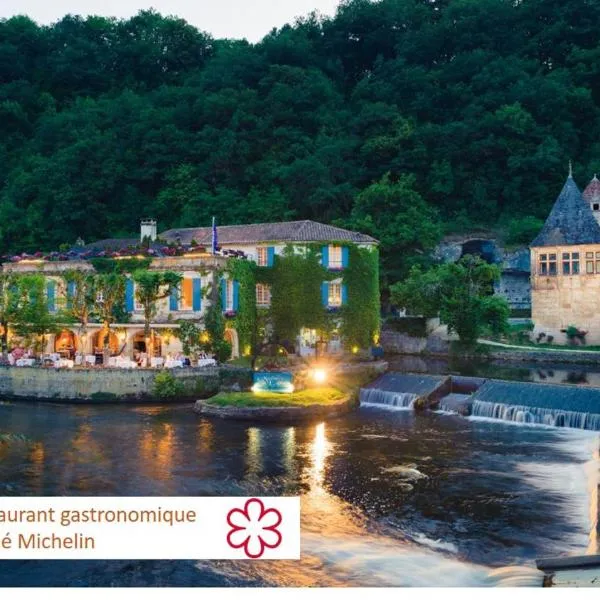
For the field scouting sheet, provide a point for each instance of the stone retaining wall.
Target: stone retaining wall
(113, 385)
(277, 414)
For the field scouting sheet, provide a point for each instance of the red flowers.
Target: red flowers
(254, 528)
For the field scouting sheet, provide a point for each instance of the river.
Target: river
(388, 497)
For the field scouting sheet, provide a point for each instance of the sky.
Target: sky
(250, 19)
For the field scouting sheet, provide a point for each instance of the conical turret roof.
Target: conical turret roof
(570, 222)
(592, 191)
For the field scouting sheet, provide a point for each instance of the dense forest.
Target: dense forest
(402, 118)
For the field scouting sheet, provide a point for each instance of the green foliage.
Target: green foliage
(33, 320)
(461, 294)
(111, 288)
(189, 336)
(296, 293)
(393, 212)
(152, 286)
(166, 385)
(523, 230)
(122, 265)
(246, 320)
(214, 324)
(80, 305)
(308, 397)
(360, 316)
(472, 107)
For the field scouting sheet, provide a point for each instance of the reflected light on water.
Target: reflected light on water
(206, 435)
(289, 450)
(319, 452)
(156, 450)
(254, 461)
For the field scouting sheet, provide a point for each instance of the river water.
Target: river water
(389, 497)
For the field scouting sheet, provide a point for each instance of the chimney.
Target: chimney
(148, 230)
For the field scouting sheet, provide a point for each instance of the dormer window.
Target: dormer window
(596, 206)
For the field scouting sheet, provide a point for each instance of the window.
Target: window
(263, 294)
(262, 256)
(335, 257)
(596, 206)
(589, 263)
(186, 301)
(136, 304)
(335, 294)
(570, 263)
(547, 264)
(229, 294)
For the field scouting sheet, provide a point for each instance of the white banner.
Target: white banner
(149, 528)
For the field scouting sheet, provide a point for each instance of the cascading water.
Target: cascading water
(531, 414)
(397, 400)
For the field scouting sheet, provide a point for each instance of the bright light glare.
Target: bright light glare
(320, 375)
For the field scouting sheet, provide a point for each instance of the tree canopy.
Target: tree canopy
(462, 112)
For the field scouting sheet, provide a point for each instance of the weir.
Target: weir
(535, 403)
(556, 405)
(403, 391)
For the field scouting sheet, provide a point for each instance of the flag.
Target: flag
(214, 236)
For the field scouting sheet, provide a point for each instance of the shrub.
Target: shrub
(167, 386)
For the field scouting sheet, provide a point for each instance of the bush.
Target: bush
(167, 386)
(524, 230)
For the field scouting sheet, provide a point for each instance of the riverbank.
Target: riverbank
(105, 386)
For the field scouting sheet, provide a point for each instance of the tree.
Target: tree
(110, 293)
(81, 297)
(10, 305)
(33, 318)
(150, 287)
(461, 293)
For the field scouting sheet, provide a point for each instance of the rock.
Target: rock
(408, 472)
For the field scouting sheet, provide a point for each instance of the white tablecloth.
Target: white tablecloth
(64, 363)
(206, 362)
(121, 362)
(25, 362)
(157, 361)
(90, 359)
(171, 363)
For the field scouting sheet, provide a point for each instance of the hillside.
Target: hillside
(403, 118)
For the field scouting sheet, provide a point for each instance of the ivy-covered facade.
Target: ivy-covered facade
(300, 285)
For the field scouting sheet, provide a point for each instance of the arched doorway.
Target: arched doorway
(231, 336)
(141, 347)
(65, 343)
(99, 340)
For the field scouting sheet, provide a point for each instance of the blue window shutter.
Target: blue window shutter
(270, 256)
(51, 296)
(129, 291)
(236, 295)
(174, 300)
(345, 256)
(344, 293)
(325, 293)
(197, 297)
(70, 293)
(223, 294)
(325, 256)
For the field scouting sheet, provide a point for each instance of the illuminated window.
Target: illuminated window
(335, 257)
(262, 257)
(335, 294)
(547, 264)
(100, 296)
(263, 294)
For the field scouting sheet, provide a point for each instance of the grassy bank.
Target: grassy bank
(307, 397)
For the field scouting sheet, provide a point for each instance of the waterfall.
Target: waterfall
(531, 414)
(397, 400)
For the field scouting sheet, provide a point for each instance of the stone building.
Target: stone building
(189, 253)
(565, 266)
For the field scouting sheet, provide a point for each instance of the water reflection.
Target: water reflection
(489, 494)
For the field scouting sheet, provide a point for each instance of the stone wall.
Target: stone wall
(563, 300)
(113, 385)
